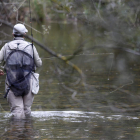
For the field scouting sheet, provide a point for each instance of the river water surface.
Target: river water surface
(106, 108)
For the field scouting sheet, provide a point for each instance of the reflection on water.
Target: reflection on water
(11, 129)
(71, 124)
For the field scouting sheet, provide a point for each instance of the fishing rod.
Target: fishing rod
(31, 21)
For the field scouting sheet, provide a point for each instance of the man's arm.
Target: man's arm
(38, 61)
(1, 59)
(2, 54)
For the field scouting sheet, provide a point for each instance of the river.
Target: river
(106, 108)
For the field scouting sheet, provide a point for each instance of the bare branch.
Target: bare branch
(5, 10)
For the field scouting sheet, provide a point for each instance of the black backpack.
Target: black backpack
(19, 66)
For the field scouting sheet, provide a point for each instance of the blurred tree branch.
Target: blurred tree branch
(50, 52)
(5, 10)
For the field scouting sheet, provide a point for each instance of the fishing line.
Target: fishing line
(130, 83)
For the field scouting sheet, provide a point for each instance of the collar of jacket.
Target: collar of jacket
(18, 38)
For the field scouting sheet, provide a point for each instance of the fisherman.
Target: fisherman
(20, 105)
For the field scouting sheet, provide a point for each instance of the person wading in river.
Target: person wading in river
(20, 61)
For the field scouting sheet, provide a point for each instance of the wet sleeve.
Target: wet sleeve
(38, 61)
(2, 54)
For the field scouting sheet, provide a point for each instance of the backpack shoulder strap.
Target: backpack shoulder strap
(32, 48)
(5, 52)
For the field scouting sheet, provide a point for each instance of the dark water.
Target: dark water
(107, 108)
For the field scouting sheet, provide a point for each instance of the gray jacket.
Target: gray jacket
(8, 47)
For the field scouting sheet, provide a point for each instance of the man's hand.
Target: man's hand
(1, 72)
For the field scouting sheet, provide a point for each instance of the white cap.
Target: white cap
(20, 29)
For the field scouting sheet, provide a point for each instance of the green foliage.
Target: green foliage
(38, 9)
(113, 20)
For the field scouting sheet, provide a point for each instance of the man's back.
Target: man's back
(19, 66)
(8, 47)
